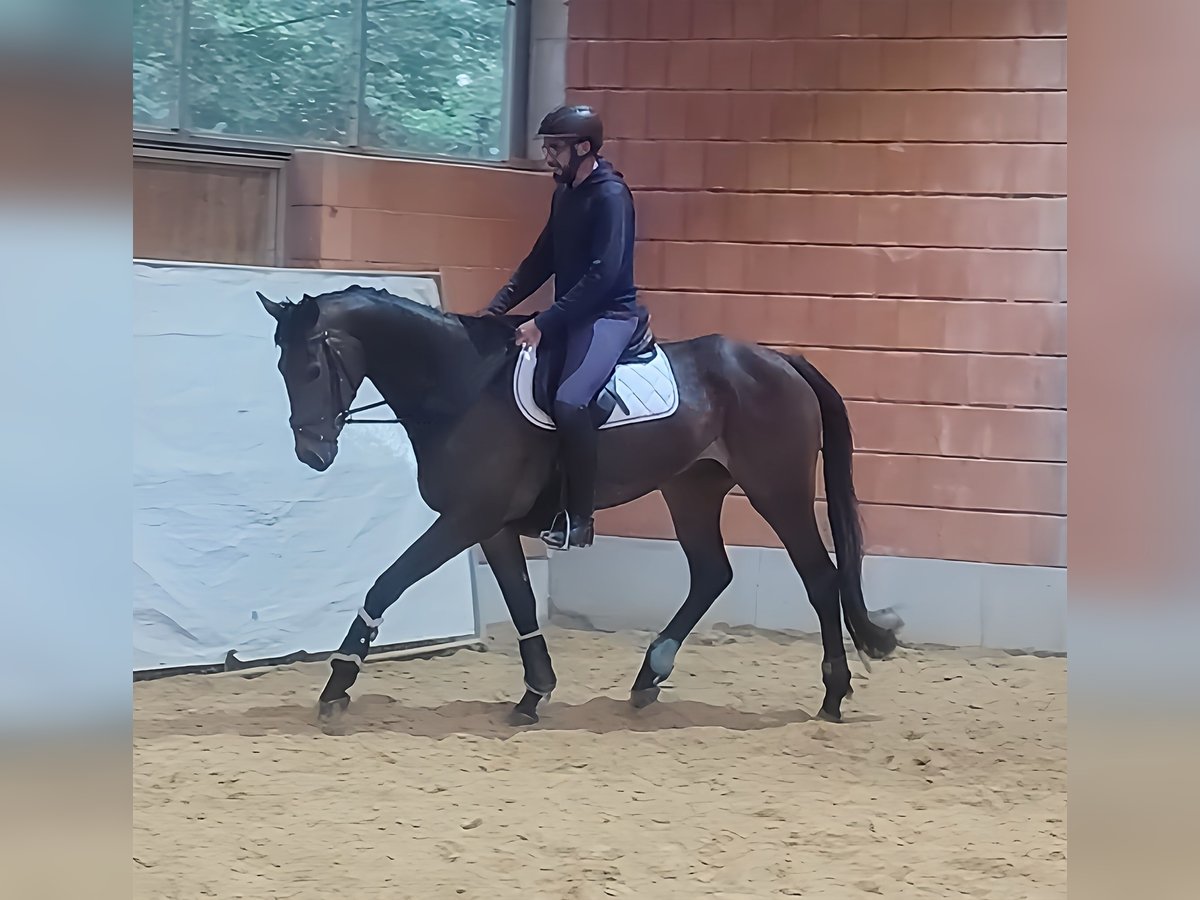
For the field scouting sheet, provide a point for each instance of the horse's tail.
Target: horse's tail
(838, 453)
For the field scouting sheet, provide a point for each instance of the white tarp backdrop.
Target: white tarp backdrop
(237, 545)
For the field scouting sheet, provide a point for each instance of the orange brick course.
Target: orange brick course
(880, 184)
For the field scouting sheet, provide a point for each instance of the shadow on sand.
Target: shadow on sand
(380, 713)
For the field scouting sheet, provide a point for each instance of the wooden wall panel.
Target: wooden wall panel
(198, 211)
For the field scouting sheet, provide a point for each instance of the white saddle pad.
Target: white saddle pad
(647, 389)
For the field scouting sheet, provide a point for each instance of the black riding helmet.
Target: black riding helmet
(575, 124)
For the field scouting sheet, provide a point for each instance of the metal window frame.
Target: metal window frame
(514, 107)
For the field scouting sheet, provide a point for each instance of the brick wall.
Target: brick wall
(472, 224)
(880, 183)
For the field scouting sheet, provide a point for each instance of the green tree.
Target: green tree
(435, 77)
(156, 42)
(432, 80)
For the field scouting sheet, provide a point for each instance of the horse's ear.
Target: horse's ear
(275, 309)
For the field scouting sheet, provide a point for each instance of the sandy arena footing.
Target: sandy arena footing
(947, 779)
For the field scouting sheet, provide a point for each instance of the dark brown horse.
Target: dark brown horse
(747, 416)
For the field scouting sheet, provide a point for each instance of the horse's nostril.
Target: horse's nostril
(313, 459)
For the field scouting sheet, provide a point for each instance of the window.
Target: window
(420, 77)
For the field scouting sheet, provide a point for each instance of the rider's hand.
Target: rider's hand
(528, 335)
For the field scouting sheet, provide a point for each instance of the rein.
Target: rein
(346, 420)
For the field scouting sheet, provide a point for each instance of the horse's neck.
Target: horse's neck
(425, 367)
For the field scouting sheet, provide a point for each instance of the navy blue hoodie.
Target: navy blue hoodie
(587, 245)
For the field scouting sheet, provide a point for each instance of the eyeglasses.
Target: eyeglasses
(554, 148)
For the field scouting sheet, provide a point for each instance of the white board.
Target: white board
(237, 545)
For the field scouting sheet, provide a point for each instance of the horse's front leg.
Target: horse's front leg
(444, 540)
(507, 560)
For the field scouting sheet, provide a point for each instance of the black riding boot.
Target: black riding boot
(579, 438)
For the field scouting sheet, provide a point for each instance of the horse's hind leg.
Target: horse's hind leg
(694, 498)
(507, 561)
(790, 513)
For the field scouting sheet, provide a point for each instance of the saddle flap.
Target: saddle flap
(547, 368)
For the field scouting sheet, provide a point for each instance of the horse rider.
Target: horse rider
(587, 245)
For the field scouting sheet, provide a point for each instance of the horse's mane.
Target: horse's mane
(489, 334)
(357, 291)
(361, 289)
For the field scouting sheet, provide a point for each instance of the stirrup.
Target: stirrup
(562, 534)
(556, 536)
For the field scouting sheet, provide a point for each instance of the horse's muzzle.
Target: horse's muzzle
(316, 454)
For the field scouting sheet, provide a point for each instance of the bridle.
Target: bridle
(336, 364)
(341, 390)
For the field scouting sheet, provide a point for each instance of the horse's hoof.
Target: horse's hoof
(643, 698)
(525, 712)
(826, 716)
(328, 710)
(522, 718)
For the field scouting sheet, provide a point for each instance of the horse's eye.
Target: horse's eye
(312, 372)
